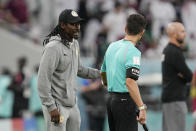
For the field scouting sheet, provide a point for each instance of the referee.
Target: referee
(119, 71)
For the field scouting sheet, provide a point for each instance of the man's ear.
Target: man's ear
(63, 26)
(143, 31)
(126, 30)
(141, 34)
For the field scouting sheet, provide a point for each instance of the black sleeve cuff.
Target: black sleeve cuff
(132, 73)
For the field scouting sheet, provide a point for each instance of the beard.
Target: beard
(180, 41)
(70, 35)
(76, 37)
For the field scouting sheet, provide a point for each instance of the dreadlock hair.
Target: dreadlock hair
(57, 30)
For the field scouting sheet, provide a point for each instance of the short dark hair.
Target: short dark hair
(135, 24)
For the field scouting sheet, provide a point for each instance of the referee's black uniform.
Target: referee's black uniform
(174, 88)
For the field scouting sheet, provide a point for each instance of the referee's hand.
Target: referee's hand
(142, 117)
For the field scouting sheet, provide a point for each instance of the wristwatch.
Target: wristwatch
(144, 107)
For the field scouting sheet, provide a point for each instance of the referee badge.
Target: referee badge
(136, 60)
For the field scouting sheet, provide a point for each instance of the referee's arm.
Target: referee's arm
(132, 74)
(135, 95)
(134, 91)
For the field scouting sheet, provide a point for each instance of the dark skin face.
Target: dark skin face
(71, 31)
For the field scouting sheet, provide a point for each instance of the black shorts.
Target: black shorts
(121, 112)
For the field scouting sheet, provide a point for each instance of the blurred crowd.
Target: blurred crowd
(104, 22)
(18, 92)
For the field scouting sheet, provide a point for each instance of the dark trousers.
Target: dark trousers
(96, 124)
(121, 112)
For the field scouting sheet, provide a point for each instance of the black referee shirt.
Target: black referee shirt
(173, 62)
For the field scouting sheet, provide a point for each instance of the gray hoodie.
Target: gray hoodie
(57, 77)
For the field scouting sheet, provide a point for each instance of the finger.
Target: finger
(143, 122)
(57, 119)
(137, 118)
(140, 118)
(53, 119)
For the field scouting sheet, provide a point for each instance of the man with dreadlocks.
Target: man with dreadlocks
(57, 77)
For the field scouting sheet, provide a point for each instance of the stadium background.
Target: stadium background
(23, 29)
